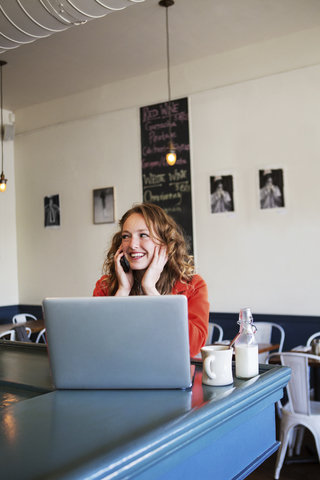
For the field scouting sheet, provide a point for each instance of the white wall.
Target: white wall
(262, 259)
(266, 259)
(8, 239)
(71, 160)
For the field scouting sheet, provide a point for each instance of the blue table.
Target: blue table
(222, 432)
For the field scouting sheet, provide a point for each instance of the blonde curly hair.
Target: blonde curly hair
(164, 230)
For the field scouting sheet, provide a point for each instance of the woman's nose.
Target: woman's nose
(134, 242)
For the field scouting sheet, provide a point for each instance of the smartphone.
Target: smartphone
(125, 264)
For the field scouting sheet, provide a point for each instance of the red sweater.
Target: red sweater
(198, 308)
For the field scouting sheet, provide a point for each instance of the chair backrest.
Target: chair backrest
(8, 335)
(264, 333)
(315, 335)
(211, 328)
(22, 317)
(298, 388)
(11, 334)
(41, 336)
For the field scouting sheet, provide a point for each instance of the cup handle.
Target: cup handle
(206, 366)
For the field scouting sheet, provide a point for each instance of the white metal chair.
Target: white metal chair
(11, 334)
(41, 336)
(309, 341)
(300, 412)
(264, 334)
(8, 335)
(22, 317)
(315, 335)
(211, 328)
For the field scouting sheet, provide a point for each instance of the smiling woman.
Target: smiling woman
(154, 250)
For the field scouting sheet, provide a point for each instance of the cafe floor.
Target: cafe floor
(292, 471)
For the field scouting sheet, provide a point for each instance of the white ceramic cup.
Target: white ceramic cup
(217, 365)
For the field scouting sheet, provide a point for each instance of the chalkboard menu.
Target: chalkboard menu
(165, 185)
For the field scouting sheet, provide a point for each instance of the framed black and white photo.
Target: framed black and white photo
(52, 211)
(271, 188)
(103, 205)
(221, 194)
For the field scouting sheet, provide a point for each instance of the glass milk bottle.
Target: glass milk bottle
(246, 346)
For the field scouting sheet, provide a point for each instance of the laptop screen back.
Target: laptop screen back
(134, 342)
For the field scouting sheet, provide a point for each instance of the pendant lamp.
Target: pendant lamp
(171, 155)
(3, 180)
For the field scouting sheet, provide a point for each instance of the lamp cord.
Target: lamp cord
(168, 71)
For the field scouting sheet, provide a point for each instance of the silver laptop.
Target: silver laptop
(137, 342)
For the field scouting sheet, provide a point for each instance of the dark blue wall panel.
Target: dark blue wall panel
(7, 312)
(298, 328)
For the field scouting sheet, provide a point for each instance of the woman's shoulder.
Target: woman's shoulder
(101, 289)
(194, 284)
(198, 280)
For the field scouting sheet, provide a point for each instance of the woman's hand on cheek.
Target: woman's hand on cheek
(125, 280)
(154, 270)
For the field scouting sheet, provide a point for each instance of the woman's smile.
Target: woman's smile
(137, 255)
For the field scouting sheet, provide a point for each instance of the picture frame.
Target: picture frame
(52, 211)
(221, 194)
(271, 188)
(103, 205)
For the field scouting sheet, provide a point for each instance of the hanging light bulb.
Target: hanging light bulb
(3, 183)
(171, 155)
(3, 180)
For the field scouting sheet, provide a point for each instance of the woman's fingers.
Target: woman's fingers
(154, 270)
(125, 280)
(160, 256)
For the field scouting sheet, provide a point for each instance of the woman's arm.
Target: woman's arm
(198, 314)
(198, 311)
